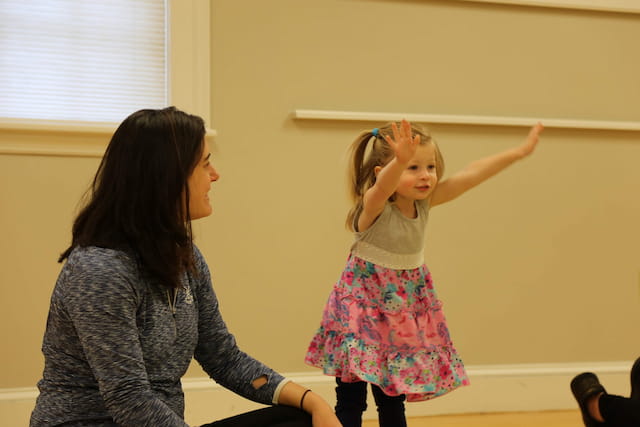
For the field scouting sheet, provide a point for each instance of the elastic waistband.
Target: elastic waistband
(376, 255)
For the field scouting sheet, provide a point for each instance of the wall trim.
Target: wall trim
(560, 123)
(494, 388)
(618, 6)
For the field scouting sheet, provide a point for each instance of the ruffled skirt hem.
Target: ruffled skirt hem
(421, 375)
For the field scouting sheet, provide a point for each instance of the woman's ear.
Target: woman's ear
(376, 170)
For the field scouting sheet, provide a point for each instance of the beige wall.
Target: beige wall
(539, 265)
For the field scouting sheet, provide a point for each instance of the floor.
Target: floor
(511, 419)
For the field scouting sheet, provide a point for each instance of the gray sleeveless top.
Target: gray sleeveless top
(393, 240)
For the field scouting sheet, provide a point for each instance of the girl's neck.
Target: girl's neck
(407, 207)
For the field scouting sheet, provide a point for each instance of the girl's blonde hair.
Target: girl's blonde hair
(363, 162)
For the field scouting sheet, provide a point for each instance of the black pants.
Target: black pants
(274, 416)
(352, 402)
(619, 411)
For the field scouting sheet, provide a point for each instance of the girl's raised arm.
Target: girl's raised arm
(387, 176)
(482, 169)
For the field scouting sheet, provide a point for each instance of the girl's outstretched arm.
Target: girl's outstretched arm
(480, 170)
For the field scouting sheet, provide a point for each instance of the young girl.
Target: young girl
(383, 323)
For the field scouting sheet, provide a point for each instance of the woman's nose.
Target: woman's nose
(214, 176)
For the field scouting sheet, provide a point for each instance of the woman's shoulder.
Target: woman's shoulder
(99, 260)
(200, 263)
(83, 253)
(198, 258)
(99, 274)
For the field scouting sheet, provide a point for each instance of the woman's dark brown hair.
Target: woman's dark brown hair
(139, 198)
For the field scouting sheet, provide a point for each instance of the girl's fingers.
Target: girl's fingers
(536, 129)
(406, 126)
(394, 129)
(534, 133)
(401, 135)
(390, 141)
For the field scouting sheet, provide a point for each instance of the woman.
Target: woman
(134, 304)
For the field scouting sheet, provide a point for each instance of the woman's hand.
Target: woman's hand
(324, 418)
(322, 414)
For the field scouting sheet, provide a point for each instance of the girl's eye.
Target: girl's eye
(414, 167)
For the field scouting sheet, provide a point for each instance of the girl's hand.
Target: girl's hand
(532, 140)
(403, 145)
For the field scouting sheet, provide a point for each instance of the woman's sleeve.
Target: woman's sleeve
(218, 353)
(101, 301)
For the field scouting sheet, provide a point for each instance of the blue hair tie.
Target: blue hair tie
(375, 132)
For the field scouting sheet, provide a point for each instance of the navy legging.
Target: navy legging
(352, 402)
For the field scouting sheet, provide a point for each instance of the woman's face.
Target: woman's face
(199, 185)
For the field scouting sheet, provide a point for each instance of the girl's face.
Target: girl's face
(419, 178)
(199, 185)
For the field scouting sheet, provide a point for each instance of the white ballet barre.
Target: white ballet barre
(302, 114)
(618, 6)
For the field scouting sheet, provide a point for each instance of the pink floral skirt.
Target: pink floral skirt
(386, 327)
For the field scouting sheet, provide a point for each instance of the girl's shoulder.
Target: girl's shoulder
(386, 212)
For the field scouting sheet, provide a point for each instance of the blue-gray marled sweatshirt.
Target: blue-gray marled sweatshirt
(115, 353)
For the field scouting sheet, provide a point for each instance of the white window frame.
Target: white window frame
(189, 89)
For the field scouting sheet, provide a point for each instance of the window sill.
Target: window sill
(57, 138)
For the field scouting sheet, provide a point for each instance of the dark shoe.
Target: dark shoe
(584, 387)
(635, 380)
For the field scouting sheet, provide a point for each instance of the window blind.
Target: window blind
(78, 60)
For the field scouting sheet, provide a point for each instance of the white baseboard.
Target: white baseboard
(494, 388)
